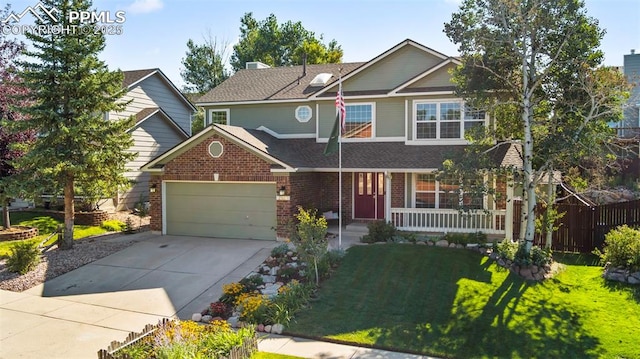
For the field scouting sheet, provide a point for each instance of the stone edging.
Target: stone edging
(94, 218)
(23, 233)
(620, 275)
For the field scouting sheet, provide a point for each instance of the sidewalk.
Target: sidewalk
(307, 348)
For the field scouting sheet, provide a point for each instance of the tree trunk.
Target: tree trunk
(548, 213)
(5, 212)
(69, 214)
(529, 181)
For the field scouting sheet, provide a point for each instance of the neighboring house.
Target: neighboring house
(163, 120)
(262, 156)
(630, 125)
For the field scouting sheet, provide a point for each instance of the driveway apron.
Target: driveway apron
(78, 313)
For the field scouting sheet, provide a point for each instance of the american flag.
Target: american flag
(340, 108)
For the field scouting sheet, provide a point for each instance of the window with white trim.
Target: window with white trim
(444, 193)
(219, 116)
(444, 120)
(303, 113)
(359, 120)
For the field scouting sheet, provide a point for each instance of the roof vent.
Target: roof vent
(320, 79)
(256, 65)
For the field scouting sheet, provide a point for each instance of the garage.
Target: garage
(220, 209)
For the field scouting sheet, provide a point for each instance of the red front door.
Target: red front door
(368, 195)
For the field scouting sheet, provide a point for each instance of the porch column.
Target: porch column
(508, 218)
(387, 197)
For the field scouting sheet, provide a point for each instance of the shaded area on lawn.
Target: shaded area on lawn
(457, 303)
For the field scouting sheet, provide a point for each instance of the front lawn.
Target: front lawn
(46, 225)
(460, 304)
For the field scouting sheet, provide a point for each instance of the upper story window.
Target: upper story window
(219, 116)
(444, 120)
(359, 120)
(303, 113)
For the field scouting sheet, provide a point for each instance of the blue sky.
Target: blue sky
(155, 32)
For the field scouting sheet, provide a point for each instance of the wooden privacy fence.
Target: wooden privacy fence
(583, 228)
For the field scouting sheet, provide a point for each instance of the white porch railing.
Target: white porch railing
(449, 220)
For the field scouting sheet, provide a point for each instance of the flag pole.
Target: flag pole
(340, 165)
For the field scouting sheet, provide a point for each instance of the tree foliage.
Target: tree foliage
(204, 65)
(310, 238)
(12, 143)
(71, 90)
(283, 44)
(535, 65)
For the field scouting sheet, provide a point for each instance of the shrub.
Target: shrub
(231, 292)
(113, 225)
(457, 238)
(310, 239)
(507, 249)
(219, 309)
(129, 226)
(280, 251)
(379, 231)
(334, 257)
(251, 283)
(253, 308)
(622, 248)
(24, 257)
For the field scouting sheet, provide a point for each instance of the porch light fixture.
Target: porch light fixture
(282, 191)
(153, 188)
(216, 177)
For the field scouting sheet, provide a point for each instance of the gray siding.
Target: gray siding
(154, 92)
(152, 138)
(393, 70)
(438, 78)
(277, 117)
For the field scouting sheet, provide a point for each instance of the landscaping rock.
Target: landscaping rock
(233, 322)
(290, 253)
(267, 329)
(459, 246)
(635, 275)
(472, 245)
(268, 279)
(421, 243)
(294, 258)
(277, 328)
(260, 327)
(615, 275)
(196, 317)
(206, 318)
(452, 245)
(431, 244)
(216, 318)
(274, 271)
(633, 280)
(535, 269)
(442, 243)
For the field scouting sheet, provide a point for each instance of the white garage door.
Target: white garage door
(222, 210)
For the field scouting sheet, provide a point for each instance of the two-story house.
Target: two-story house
(262, 154)
(163, 120)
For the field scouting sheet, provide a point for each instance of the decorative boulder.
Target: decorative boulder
(452, 245)
(196, 317)
(277, 328)
(206, 318)
(267, 329)
(442, 243)
(261, 327)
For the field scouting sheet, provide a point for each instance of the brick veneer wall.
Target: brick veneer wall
(94, 218)
(398, 182)
(235, 164)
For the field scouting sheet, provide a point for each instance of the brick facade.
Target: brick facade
(308, 189)
(19, 233)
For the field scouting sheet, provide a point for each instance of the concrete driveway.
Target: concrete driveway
(80, 312)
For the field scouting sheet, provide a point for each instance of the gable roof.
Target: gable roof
(134, 77)
(307, 155)
(275, 83)
(149, 112)
(403, 87)
(407, 42)
(289, 84)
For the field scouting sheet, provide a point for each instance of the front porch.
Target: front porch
(450, 220)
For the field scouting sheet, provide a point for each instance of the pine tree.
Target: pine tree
(72, 90)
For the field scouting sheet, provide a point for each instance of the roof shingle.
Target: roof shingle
(276, 83)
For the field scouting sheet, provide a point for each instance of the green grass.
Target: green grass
(460, 304)
(265, 355)
(46, 225)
